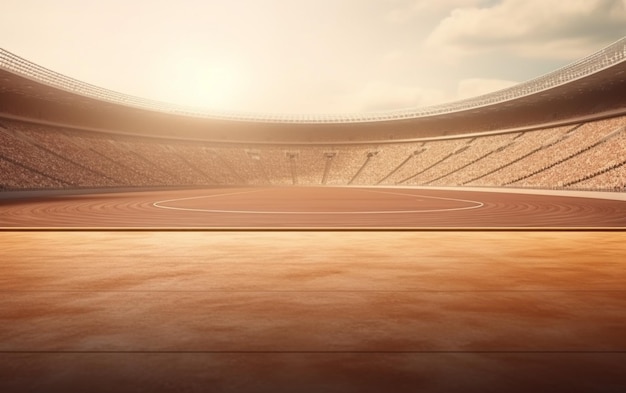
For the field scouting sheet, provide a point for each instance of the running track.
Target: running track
(312, 207)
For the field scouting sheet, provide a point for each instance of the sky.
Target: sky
(307, 56)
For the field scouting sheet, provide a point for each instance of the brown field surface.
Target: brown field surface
(313, 207)
(322, 311)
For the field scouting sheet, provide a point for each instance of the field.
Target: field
(313, 290)
(307, 208)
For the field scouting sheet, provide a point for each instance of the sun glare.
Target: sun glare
(204, 84)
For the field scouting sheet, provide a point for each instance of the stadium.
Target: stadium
(476, 245)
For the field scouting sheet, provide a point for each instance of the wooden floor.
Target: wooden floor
(322, 311)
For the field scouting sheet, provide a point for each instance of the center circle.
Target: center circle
(309, 201)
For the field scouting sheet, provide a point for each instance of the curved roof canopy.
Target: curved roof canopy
(610, 56)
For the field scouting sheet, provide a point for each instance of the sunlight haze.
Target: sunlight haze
(307, 56)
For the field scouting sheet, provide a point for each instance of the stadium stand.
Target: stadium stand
(346, 163)
(22, 151)
(565, 129)
(388, 157)
(480, 149)
(311, 164)
(589, 155)
(506, 165)
(434, 153)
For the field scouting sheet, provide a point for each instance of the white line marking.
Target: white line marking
(477, 205)
(158, 203)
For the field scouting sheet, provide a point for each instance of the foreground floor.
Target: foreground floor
(313, 311)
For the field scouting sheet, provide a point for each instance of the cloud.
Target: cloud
(408, 10)
(473, 87)
(532, 28)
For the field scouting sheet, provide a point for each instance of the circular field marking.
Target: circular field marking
(344, 207)
(164, 205)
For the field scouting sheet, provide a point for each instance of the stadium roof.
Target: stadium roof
(16, 75)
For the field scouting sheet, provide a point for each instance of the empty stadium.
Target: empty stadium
(470, 246)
